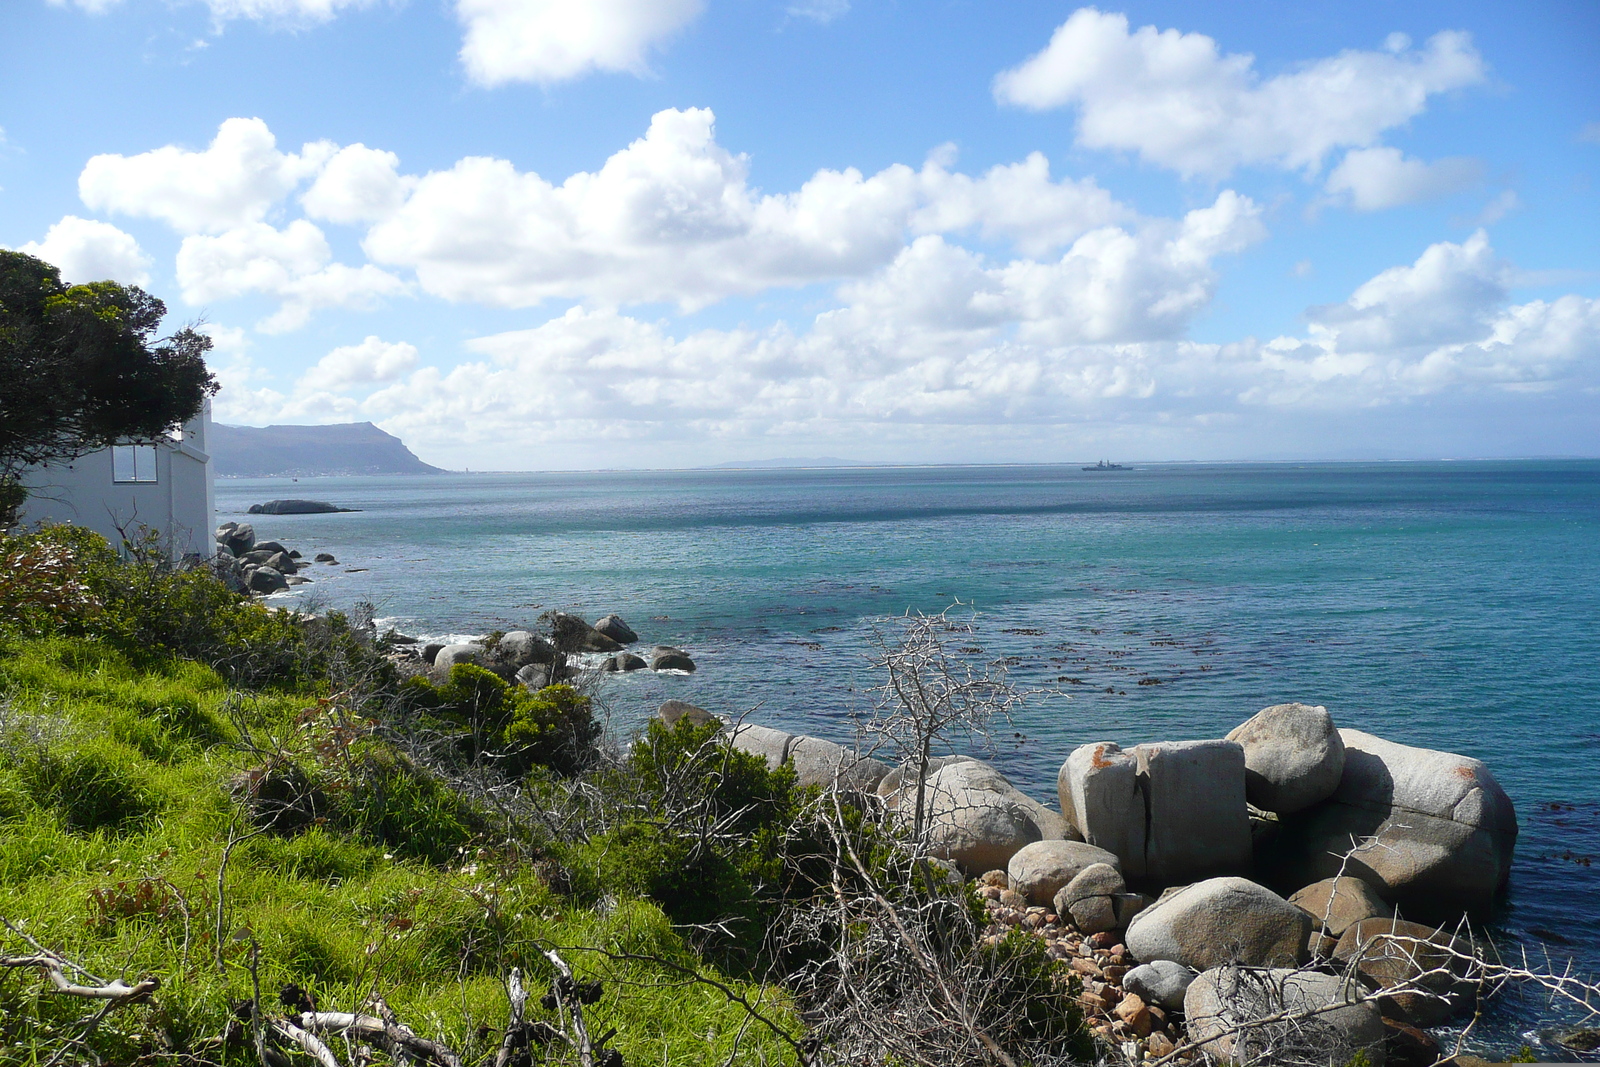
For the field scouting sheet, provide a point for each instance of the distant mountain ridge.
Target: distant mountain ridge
(308, 451)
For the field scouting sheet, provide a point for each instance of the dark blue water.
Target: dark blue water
(1449, 605)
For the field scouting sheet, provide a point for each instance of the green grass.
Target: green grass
(119, 790)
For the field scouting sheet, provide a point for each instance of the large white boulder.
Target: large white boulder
(1199, 823)
(1221, 920)
(1221, 1004)
(771, 745)
(1293, 756)
(1101, 797)
(1434, 828)
(1173, 812)
(974, 816)
(824, 763)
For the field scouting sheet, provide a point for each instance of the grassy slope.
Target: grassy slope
(115, 809)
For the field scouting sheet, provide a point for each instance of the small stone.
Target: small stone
(1159, 1045)
(1013, 899)
(1133, 1012)
(994, 878)
(1089, 967)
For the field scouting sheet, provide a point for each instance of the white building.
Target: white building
(166, 487)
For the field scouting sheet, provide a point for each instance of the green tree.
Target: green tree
(81, 368)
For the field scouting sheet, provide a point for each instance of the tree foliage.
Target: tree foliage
(81, 368)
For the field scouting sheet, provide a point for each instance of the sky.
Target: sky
(578, 234)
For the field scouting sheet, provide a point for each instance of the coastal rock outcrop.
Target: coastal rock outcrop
(667, 658)
(1293, 757)
(573, 634)
(297, 507)
(771, 745)
(1218, 921)
(518, 648)
(1220, 1002)
(265, 580)
(1172, 812)
(671, 711)
(237, 537)
(624, 662)
(819, 762)
(450, 655)
(1436, 828)
(1041, 869)
(613, 627)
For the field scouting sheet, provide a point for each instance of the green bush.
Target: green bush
(517, 730)
(68, 581)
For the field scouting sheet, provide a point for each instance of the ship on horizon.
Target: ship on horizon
(1104, 466)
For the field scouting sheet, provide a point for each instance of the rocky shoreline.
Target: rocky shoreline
(1185, 909)
(1176, 881)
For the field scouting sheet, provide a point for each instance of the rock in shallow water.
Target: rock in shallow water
(1438, 830)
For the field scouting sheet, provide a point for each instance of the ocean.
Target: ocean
(1452, 605)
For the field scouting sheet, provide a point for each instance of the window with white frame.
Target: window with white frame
(133, 463)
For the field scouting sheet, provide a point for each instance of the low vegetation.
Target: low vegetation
(245, 816)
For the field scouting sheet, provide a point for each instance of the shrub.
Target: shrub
(68, 581)
(518, 730)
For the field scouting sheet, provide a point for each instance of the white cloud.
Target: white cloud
(235, 180)
(941, 341)
(1177, 101)
(822, 11)
(672, 217)
(1439, 325)
(357, 184)
(293, 12)
(370, 362)
(1447, 296)
(90, 251)
(291, 264)
(1372, 179)
(548, 41)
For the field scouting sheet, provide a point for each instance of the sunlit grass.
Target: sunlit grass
(118, 802)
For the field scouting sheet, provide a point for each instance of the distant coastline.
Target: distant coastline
(352, 448)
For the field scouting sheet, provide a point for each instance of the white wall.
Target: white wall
(180, 503)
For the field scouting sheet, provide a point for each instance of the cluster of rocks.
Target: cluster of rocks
(528, 659)
(1154, 881)
(258, 567)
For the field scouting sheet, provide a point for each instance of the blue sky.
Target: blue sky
(531, 234)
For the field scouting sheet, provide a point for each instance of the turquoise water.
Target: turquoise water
(1450, 605)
